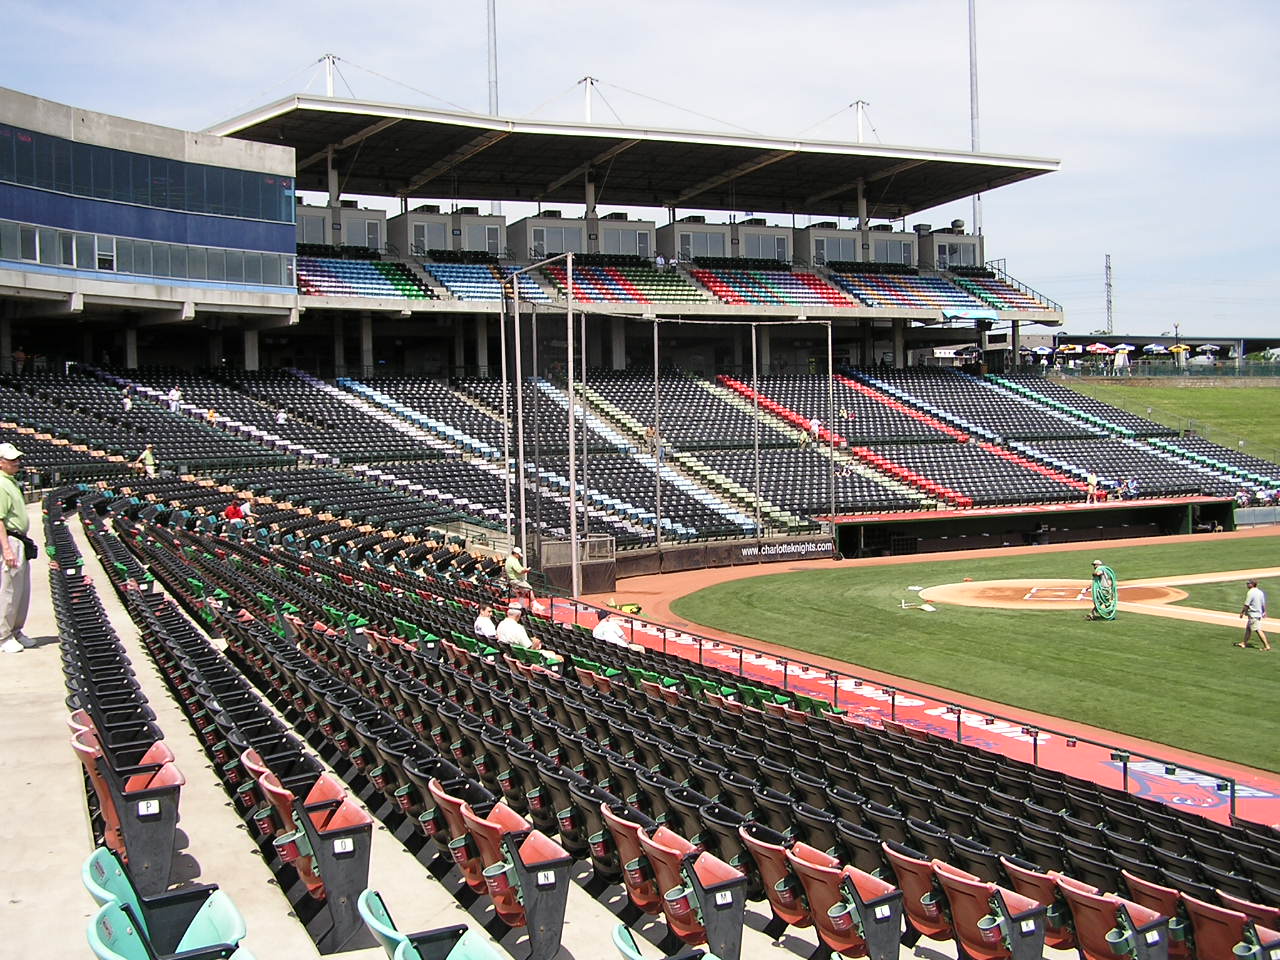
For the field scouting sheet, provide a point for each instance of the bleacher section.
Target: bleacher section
(1115, 460)
(624, 284)
(905, 290)
(769, 287)
(664, 784)
(327, 277)
(483, 281)
(1058, 397)
(1000, 294)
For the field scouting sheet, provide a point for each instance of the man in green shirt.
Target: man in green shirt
(147, 460)
(15, 572)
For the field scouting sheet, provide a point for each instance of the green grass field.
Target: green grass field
(1222, 414)
(1176, 683)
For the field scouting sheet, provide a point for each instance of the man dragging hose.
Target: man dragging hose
(1103, 592)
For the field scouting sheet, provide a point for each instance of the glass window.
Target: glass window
(81, 170)
(235, 266)
(313, 229)
(85, 254)
(492, 245)
(642, 243)
(47, 240)
(177, 261)
(44, 161)
(253, 267)
(213, 190)
(372, 234)
(10, 247)
(6, 153)
(106, 253)
(62, 165)
(232, 193)
(197, 263)
(142, 258)
(101, 173)
(539, 242)
(160, 260)
(67, 249)
(25, 158)
(124, 255)
(120, 189)
(27, 243)
(271, 269)
(288, 271)
(217, 263)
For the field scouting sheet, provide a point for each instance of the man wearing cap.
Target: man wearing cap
(517, 572)
(147, 459)
(15, 572)
(1103, 592)
(512, 631)
(609, 630)
(1254, 609)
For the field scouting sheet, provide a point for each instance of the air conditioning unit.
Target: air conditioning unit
(427, 208)
(882, 227)
(468, 211)
(614, 216)
(826, 225)
(753, 222)
(549, 215)
(693, 218)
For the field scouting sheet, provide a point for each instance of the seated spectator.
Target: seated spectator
(517, 572)
(483, 627)
(609, 630)
(512, 632)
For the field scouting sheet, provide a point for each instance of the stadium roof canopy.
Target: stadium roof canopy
(390, 150)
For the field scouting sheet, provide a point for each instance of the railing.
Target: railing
(899, 703)
(997, 267)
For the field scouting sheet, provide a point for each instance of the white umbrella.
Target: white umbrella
(1043, 351)
(1155, 348)
(1208, 348)
(1099, 348)
(1125, 348)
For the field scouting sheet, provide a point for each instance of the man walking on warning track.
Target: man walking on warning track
(1103, 591)
(1254, 609)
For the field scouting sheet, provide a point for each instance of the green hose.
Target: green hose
(1104, 593)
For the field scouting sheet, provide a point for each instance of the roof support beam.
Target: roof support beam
(741, 170)
(360, 135)
(582, 168)
(459, 156)
(845, 187)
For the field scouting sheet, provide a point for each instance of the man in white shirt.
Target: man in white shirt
(484, 628)
(512, 631)
(1254, 609)
(609, 630)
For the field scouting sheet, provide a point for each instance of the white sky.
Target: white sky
(1163, 112)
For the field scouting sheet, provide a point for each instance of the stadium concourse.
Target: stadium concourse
(291, 701)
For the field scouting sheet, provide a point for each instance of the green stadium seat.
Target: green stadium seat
(446, 943)
(189, 919)
(114, 935)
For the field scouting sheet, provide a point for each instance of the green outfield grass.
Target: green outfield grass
(1230, 596)
(1245, 413)
(1171, 682)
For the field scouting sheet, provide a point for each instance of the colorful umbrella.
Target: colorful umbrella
(1155, 348)
(1125, 348)
(1043, 351)
(1179, 348)
(1099, 348)
(1069, 348)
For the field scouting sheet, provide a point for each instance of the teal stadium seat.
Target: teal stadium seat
(625, 941)
(114, 935)
(446, 943)
(173, 922)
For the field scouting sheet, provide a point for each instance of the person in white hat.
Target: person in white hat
(511, 630)
(15, 571)
(517, 572)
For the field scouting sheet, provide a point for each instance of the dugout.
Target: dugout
(939, 531)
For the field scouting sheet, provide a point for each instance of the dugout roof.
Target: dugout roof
(392, 150)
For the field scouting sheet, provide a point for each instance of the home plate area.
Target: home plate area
(1039, 594)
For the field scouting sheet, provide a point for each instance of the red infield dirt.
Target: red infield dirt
(1258, 792)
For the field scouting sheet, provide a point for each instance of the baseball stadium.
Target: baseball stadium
(760, 574)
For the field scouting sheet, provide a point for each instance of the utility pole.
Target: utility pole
(495, 207)
(1110, 323)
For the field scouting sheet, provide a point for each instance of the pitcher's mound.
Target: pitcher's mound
(1038, 594)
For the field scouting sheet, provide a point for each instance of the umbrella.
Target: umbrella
(1179, 348)
(1069, 348)
(1208, 348)
(1155, 348)
(1125, 348)
(1099, 348)
(1043, 351)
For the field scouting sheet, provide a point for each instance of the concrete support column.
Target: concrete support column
(250, 350)
(590, 220)
(131, 348)
(762, 341)
(366, 344)
(215, 348)
(335, 201)
(459, 348)
(482, 344)
(339, 346)
(618, 343)
(6, 345)
(899, 343)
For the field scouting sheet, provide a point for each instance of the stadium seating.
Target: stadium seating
(445, 943)
(1000, 294)
(483, 281)
(911, 292)
(115, 935)
(769, 287)
(328, 277)
(624, 284)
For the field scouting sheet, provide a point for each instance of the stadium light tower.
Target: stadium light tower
(973, 105)
(495, 207)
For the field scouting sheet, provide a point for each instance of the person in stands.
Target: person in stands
(517, 572)
(609, 630)
(483, 627)
(147, 460)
